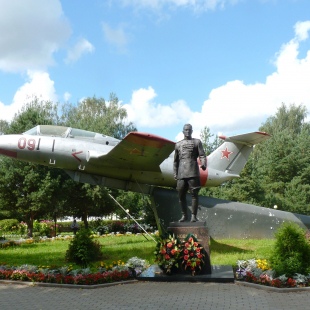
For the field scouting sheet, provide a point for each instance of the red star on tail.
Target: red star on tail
(226, 153)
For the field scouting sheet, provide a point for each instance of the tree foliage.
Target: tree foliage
(83, 249)
(209, 142)
(29, 191)
(26, 189)
(291, 252)
(95, 114)
(277, 172)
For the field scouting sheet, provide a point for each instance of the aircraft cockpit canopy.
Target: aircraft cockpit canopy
(69, 132)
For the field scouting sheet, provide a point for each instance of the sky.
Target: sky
(224, 64)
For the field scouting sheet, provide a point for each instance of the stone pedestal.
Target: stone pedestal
(200, 231)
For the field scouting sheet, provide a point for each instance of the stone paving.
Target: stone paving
(150, 295)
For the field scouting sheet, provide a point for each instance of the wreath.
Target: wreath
(192, 255)
(167, 253)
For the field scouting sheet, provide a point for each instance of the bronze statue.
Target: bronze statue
(186, 170)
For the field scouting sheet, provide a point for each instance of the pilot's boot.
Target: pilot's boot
(184, 212)
(194, 210)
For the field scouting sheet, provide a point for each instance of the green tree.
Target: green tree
(95, 114)
(32, 114)
(4, 126)
(284, 159)
(83, 249)
(291, 252)
(26, 189)
(209, 142)
(277, 172)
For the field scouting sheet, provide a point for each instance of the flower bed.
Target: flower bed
(257, 271)
(65, 275)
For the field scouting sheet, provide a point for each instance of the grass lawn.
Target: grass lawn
(223, 252)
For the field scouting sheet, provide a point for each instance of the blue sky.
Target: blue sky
(225, 64)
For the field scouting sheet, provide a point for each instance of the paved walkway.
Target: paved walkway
(150, 295)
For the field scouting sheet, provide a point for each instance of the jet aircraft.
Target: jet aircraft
(137, 163)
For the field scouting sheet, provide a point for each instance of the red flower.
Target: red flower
(185, 257)
(291, 282)
(190, 239)
(167, 257)
(192, 254)
(169, 245)
(186, 251)
(195, 243)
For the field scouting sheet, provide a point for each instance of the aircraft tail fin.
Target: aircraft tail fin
(232, 155)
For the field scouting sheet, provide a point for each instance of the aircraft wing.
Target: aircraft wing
(248, 138)
(137, 151)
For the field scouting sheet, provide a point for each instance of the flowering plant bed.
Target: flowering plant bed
(66, 275)
(257, 271)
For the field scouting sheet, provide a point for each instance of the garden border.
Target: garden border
(77, 286)
(67, 285)
(271, 288)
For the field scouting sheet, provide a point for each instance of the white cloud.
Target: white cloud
(236, 106)
(39, 85)
(81, 47)
(66, 96)
(31, 31)
(301, 30)
(196, 5)
(116, 36)
(143, 111)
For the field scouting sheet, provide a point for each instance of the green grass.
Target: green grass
(228, 251)
(223, 252)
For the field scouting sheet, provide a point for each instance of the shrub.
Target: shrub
(104, 229)
(291, 253)
(83, 249)
(42, 228)
(118, 226)
(9, 225)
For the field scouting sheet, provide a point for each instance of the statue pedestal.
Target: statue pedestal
(200, 231)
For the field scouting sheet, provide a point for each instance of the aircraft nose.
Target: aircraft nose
(6, 147)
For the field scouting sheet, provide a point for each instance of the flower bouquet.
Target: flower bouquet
(192, 255)
(167, 254)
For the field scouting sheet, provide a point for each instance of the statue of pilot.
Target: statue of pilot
(186, 170)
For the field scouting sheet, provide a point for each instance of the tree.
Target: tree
(32, 114)
(4, 126)
(95, 114)
(26, 189)
(277, 171)
(208, 144)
